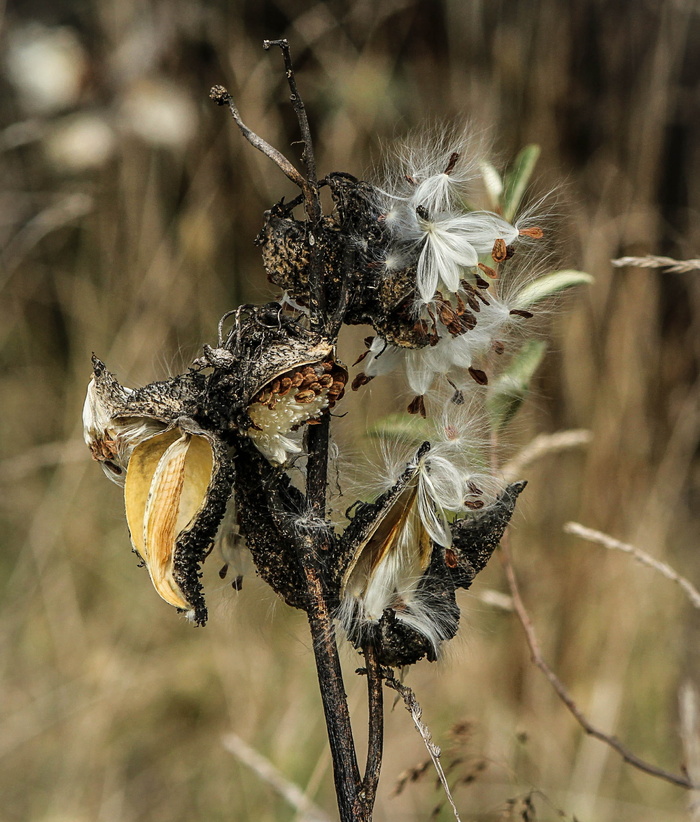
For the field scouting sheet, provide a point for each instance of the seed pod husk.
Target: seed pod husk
(177, 485)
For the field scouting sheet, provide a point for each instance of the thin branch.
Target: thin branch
(563, 694)
(413, 707)
(312, 201)
(542, 445)
(309, 811)
(650, 261)
(222, 98)
(307, 155)
(641, 556)
(375, 741)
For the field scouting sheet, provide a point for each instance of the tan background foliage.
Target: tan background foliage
(128, 210)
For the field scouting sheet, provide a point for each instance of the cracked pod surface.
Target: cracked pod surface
(116, 419)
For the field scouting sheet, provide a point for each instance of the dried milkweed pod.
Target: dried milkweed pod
(281, 376)
(177, 486)
(116, 419)
(400, 574)
(387, 598)
(177, 476)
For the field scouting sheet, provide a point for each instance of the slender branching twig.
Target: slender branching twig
(312, 201)
(563, 694)
(413, 707)
(641, 556)
(375, 744)
(222, 98)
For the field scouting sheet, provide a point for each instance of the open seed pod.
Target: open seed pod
(177, 485)
(397, 586)
(177, 477)
(116, 418)
(281, 376)
(387, 599)
(475, 538)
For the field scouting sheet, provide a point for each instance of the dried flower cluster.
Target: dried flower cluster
(210, 450)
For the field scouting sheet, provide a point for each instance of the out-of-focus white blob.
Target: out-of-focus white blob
(160, 113)
(80, 142)
(46, 65)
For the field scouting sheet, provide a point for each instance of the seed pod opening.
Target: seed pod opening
(288, 401)
(386, 598)
(175, 494)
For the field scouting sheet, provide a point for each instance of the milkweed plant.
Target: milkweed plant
(438, 258)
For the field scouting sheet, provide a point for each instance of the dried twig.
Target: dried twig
(312, 548)
(542, 445)
(312, 201)
(307, 155)
(651, 261)
(309, 811)
(563, 694)
(413, 707)
(641, 556)
(222, 98)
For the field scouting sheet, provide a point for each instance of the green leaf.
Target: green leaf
(507, 393)
(516, 180)
(406, 427)
(493, 184)
(544, 287)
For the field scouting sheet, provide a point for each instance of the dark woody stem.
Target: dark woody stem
(375, 743)
(355, 796)
(330, 677)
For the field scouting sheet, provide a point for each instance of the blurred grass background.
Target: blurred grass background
(127, 216)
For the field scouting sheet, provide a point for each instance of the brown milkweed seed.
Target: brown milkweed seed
(474, 504)
(500, 251)
(305, 396)
(478, 376)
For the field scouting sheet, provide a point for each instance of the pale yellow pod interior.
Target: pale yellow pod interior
(166, 486)
(384, 541)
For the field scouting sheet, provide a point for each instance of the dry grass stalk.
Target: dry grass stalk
(308, 811)
(413, 707)
(563, 693)
(541, 446)
(641, 556)
(651, 261)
